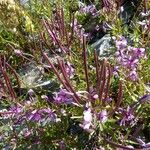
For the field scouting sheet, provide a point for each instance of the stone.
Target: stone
(104, 46)
(32, 77)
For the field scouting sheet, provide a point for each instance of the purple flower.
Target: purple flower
(146, 145)
(31, 92)
(128, 57)
(49, 113)
(27, 133)
(39, 115)
(18, 52)
(62, 145)
(121, 43)
(145, 24)
(63, 96)
(142, 143)
(13, 112)
(69, 69)
(133, 75)
(102, 116)
(145, 98)
(78, 29)
(138, 52)
(93, 94)
(1, 137)
(34, 116)
(127, 116)
(16, 109)
(116, 71)
(87, 117)
(91, 9)
(43, 115)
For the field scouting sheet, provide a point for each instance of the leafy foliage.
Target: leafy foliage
(57, 92)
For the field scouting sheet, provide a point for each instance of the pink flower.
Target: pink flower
(87, 117)
(93, 93)
(18, 52)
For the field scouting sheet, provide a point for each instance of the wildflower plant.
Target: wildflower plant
(95, 103)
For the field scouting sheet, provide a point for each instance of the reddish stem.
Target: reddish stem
(65, 29)
(108, 82)
(7, 81)
(62, 68)
(3, 87)
(119, 145)
(15, 74)
(52, 35)
(96, 64)
(145, 6)
(60, 79)
(85, 63)
(102, 85)
(45, 41)
(100, 79)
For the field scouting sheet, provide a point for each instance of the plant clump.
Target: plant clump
(75, 75)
